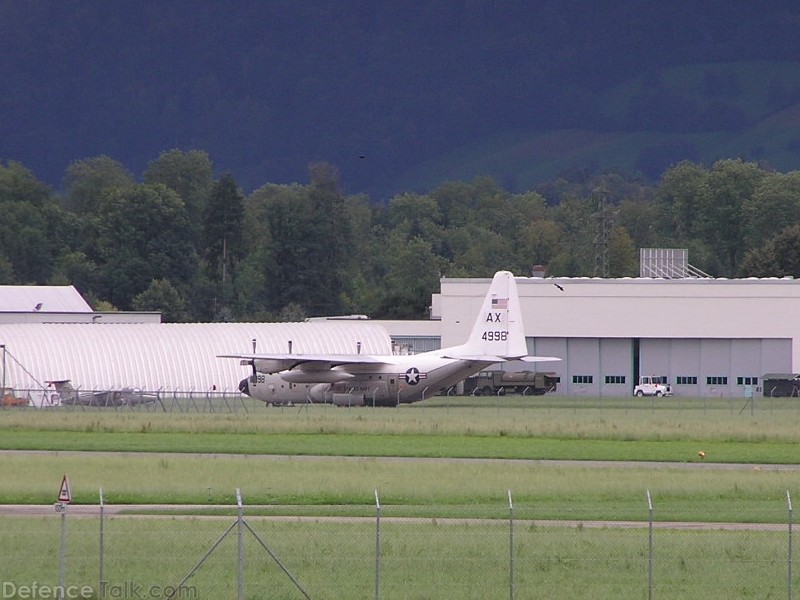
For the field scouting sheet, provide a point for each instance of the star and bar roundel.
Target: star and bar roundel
(413, 376)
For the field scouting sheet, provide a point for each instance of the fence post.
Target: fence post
(650, 553)
(512, 586)
(377, 546)
(240, 555)
(791, 551)
(62, 553)
(102, 540)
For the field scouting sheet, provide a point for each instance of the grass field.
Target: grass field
(418, 560)
(334, 459)
(409, 488)
(160, 469)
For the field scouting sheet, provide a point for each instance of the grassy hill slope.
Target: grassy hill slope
(754, 115)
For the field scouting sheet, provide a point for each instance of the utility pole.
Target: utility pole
(3, 386)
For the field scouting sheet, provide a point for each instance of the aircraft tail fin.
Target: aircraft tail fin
(498, 333)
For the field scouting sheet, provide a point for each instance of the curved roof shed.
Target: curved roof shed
(166, 356)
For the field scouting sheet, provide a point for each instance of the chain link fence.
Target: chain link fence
(132, 400)
(498, 551)
(232, 401)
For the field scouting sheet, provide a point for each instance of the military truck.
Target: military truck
(497, 383)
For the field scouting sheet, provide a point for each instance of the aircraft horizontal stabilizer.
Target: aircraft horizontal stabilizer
(499, 359)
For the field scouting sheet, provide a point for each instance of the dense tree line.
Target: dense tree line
(197, 248)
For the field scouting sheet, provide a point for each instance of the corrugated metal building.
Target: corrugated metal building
(166, 357)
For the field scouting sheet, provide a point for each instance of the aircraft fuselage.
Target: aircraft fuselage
(407, 380)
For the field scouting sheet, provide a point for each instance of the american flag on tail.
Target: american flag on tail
(500, 303)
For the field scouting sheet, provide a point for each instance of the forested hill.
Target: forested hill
(396, 95)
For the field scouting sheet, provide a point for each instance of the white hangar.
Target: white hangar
(164, 357)
(708, 337)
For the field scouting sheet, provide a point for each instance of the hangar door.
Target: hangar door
(714, 367)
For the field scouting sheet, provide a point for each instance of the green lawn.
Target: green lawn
(324, 462)
(334, 559)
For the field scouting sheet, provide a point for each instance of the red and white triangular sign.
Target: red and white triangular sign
(64, 494)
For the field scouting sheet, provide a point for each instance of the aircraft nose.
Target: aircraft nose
(244, 386)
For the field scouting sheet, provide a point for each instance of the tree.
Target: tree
(142, 235)
(224, 243)
(190, 175)
(329, 242)
(479, 252)
(623, 260)
(23, 235)
(413, 275)
(678, 196)
(642, 222)
(778, 257)
(86, 181)
(412, 215)
(774, 204)
(18, 184)
(541, 242)
(729, 185)
(283, 215)
(75, 268)
(310, 238)
(6, 271)
(24, 225)
(576, 257)
(162, 296)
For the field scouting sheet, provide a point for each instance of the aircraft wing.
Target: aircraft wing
(275, 363)
(499, 359)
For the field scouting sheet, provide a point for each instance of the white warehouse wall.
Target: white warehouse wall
(637, 308)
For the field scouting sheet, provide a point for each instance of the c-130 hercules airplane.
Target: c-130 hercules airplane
(498, 336)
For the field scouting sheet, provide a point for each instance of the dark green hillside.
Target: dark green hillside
(749, 110)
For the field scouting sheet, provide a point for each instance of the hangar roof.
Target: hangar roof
(167, 357)
(48, 298)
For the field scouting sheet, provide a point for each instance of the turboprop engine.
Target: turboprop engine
(319, 392)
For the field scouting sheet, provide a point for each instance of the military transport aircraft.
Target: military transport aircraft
(352, 380)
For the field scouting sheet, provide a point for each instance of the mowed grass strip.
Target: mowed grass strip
(428, 488)
(409, 445)
(725, 419)
(512, 427)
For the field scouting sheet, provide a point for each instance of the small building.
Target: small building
(59, 304)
